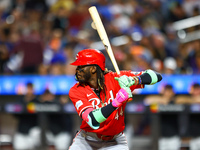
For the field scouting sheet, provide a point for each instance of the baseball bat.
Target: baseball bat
(98, 25)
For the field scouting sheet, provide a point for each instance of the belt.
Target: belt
(105, 137)
(100, 136)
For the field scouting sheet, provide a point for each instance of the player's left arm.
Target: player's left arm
(148, 77)
(94, 117)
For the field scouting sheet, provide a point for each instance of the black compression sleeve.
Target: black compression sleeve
(147, 78)
(107, 110)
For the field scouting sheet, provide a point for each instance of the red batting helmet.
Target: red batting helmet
(90, 57)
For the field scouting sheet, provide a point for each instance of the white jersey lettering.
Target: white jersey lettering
(96, 101)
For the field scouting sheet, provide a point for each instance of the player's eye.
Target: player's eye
(80, 68)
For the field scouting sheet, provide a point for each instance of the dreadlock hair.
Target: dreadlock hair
(101, 79)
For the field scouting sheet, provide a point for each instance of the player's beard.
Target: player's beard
(84, 78)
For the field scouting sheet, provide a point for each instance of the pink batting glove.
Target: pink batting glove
(121, 97)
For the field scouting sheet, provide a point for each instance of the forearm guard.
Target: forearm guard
(97, 116)
(150, 77)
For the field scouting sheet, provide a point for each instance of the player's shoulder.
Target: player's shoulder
(110, 75)
(77, 88)
(74, 88)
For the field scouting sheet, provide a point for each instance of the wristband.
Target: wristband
(136, 80)
(140, 81)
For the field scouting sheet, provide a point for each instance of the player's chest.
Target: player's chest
(100, 99)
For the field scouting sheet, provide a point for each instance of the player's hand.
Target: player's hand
(128, 90)
(125, 81)
(121, 97)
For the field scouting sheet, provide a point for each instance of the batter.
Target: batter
(100, 98)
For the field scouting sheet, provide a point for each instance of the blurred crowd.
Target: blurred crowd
(173, 126)
(40, 130)
(43, 36)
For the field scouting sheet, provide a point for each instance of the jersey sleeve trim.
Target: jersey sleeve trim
(80, 113)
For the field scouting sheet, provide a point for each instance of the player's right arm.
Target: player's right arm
(96, 116)
(148, 77)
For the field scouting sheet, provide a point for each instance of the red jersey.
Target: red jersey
(84, 97)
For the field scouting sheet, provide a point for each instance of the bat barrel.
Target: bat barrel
(103, 35)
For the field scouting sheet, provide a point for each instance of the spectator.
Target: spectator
(193, 57)
(191, 7)
(141, 58)
(176, 12)
(169, 138)
(196, 67)
(194, 118)
(56, 69)
(31, 49)
(4, 56)
(26, 122)
(170, 66)
(194, 123)
(56, 23)
(158, 43)
(43, 69)
(69, 55)
(54, 50)
(59, 126)
(172, 42)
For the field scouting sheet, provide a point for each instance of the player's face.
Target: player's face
(83, 73)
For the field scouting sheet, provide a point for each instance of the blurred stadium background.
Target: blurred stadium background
(40, 38)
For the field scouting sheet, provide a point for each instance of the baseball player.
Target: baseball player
(100, 97)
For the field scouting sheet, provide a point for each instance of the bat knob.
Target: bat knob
(129, 99)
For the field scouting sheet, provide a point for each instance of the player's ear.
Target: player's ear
(93, 69)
